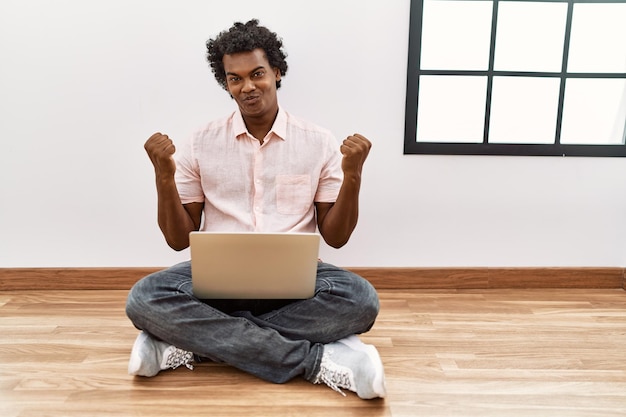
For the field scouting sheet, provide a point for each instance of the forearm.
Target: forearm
(173, 219)
(341, 219)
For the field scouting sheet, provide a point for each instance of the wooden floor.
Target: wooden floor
(446, 353)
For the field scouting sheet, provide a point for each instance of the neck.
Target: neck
(259, 127)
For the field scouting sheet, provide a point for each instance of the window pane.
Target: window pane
(451, 109)
(456, 35)
(524, 110)
(530, 36)
(594, 112)
(598, 41)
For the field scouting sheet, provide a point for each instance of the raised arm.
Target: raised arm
(336, 221)
(175, 219)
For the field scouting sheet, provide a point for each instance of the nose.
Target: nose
(248, 85)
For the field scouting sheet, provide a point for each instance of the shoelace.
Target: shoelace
(332, 376)
(179, 357)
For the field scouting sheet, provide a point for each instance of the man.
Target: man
(259, 169)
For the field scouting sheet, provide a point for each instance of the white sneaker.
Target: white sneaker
(150, 356)
(351, 364)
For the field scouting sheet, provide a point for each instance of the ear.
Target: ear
(229, 93)
(277, 73)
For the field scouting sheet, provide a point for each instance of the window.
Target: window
(510, 77)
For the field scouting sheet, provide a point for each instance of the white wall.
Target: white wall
(84, 83)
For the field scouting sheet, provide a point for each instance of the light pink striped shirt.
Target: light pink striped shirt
(246, 186)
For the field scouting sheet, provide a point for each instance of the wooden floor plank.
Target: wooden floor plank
(450, 352)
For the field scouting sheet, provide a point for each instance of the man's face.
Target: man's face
(252, 83)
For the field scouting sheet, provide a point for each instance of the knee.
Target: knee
(152, 296)
(363, 302)
(141, 298)
(135, 300)
(368, 301)
(360, 296)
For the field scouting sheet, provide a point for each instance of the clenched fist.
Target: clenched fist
(160, 149)
(355, 149)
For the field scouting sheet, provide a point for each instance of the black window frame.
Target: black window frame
(414, 72)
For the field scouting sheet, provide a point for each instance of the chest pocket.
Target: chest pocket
(293, 194)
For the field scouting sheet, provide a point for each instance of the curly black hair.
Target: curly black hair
(244, 37)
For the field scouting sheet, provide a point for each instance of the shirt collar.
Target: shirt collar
(279, 128)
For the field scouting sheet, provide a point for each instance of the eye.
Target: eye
(233, 79)
(258, 74)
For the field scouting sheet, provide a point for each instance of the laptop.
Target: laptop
(250, 265)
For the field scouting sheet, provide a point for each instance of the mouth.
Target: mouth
(251, 99)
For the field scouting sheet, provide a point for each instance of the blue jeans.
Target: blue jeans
(276, 340)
